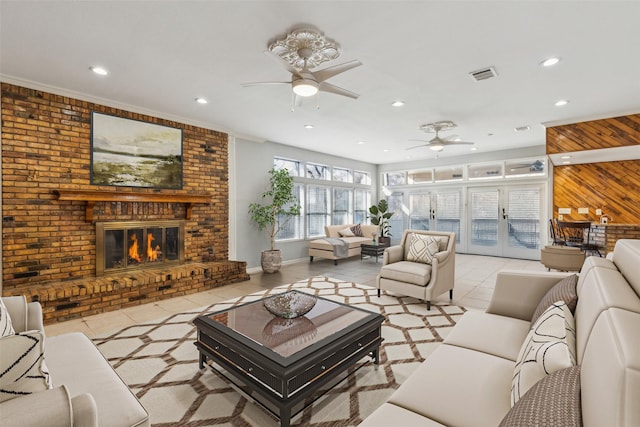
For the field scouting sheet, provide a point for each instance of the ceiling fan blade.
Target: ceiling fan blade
(420, 140)
(265, 83)
(328, 87)
(327, 73)
(457, 143)
(418, 146)
(282, 62)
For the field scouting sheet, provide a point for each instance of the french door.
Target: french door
(438, 210)
(505, 221)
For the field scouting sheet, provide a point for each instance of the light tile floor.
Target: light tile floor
(475, 280)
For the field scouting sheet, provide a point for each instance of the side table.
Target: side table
(372, 249)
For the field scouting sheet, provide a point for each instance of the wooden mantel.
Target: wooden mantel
(91, 197)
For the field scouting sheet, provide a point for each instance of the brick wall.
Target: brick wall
(46, 145)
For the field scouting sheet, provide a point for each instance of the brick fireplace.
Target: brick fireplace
(49, 237)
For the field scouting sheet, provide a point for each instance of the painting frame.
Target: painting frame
(134, 153)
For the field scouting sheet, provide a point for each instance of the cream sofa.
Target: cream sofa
(323, 249)
(467, 380)
(86, 390)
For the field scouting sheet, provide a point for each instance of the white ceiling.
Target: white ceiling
(163, 54)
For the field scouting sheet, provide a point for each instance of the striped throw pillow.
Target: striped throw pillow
(6, 327)
(22, 367)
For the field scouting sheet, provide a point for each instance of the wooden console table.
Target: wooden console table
(92, 196)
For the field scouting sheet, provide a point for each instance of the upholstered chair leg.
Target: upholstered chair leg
(428, 305)
(335, 262)
(378, 293)
(450, 293)
(310, 258)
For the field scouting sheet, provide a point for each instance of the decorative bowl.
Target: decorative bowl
(290, 305)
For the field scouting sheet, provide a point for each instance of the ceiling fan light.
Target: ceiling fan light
(436, 147)
(305, 87)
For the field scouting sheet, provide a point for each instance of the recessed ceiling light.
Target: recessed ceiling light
(386, 151)
(474, 148)
(565, 157)
(99, 71)
(550, 62)
(561, 103)
(360, 142)
(308, 126)
(566, 162)
(397, 103)
(201, 101)
(522, 128)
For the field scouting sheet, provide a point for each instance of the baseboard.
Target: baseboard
(255, 270)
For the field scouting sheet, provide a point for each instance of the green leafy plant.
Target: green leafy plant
(380, 217)
(280, 205)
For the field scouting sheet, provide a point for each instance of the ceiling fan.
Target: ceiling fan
(299, 52)
(307, 83)
(536, 166)
(437, 143)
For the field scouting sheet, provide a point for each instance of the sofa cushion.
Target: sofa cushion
(22, 367)
(346, 232)
(415, 273)
(50, 408)
(117, 405)
(553, 401)
(389, 414)
(422, 248)
(549, 346)
(478, 331)
(458, 387)
(6, 328)
(565, 291)
(357, 230)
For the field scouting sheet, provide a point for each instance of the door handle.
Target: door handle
(504, 214)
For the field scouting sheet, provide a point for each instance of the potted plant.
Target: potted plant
(380, 217)
(278, 207)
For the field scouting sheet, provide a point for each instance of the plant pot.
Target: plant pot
(271, 260)
(384, 241)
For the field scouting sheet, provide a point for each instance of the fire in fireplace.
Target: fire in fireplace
(138, 244)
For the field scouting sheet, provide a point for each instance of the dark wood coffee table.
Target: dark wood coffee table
(278, 362)
(372, 250)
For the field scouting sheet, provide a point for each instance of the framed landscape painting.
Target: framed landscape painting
(131, 153)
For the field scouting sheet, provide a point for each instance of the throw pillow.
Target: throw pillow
(22, 367)
(422, 248)
(346, 232)
(6, 328)
(357, 230)
(550, 346)
(564, 290)
(553, 401)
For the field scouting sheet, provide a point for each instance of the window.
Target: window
(360, 177)
(342, 206)
(362, 201)
(318, 210)
(317, 171)
(293, 166)
(485, 171)
(420, 177)
(293, 228)
(535, 167)
(342, 175)
(395, 178)
(449, 174)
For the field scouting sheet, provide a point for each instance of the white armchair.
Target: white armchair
(414, 270)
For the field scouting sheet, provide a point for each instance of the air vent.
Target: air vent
(483, 74)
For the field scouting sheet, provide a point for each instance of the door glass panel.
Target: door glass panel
(524, 218)
(484, 218)
(448, 212)
(419, 211)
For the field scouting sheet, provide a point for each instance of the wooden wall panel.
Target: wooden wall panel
(613, 187)
(607, 133)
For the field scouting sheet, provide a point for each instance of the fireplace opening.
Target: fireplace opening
(138, 244)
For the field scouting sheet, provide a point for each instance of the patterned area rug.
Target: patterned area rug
(160, 363)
